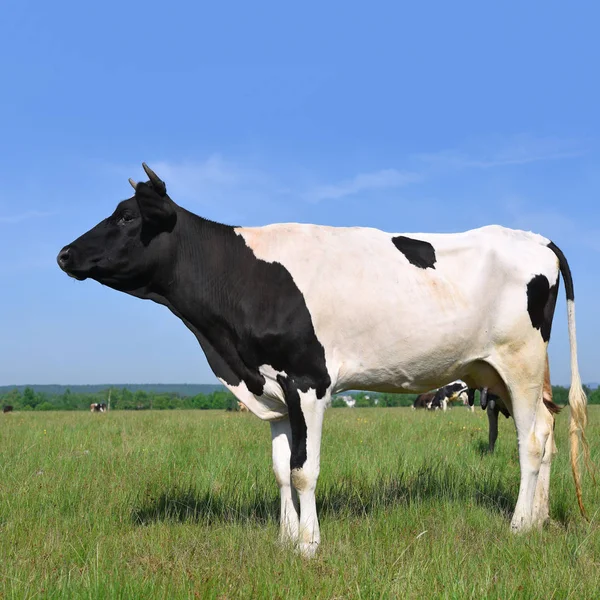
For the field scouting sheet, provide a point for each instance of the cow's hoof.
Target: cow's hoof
(307, 549)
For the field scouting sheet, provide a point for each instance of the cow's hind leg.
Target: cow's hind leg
(533, 430)
(281, 436)
(528, 413)
(541, 503)
(520, 388)
(306, 420)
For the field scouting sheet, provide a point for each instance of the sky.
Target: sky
(428, 116)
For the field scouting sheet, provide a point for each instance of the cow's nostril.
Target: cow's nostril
(63, 257)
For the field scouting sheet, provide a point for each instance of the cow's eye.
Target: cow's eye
(125, 217)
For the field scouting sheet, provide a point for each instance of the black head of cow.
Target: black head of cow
(126, 250)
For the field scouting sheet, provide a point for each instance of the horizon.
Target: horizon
(590, 384)
(402, 120)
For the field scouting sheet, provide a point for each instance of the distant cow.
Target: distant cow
(7, 409)
(97, 407)
(453, 392)
(425, 401)
(286, 315)
(439, 399)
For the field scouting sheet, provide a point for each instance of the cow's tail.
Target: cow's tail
(577, 397)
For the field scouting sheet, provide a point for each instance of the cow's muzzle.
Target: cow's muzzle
(66, 261)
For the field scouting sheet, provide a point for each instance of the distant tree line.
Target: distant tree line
(120, 399)
(221, 399)
(560, 396)
(181, 389)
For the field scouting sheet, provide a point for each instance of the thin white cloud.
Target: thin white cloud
(214, 171)
(505, 152)
(517, 150)
(230, 185)
(363, 182)
(25, 216)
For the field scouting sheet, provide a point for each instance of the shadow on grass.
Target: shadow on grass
(481, 447)
(345, 497)
(190, 505)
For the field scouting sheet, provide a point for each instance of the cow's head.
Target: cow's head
(126, 250)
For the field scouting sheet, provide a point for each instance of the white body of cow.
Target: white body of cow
(388, 325)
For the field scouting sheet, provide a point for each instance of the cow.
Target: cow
(286, 315)
(97, 407)
(426, 401)
(242, 407)
(439, 399)
(453, 392)
(7, 409)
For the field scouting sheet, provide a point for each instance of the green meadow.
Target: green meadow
(184, 504)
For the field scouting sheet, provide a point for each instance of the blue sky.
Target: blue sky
(425, 117)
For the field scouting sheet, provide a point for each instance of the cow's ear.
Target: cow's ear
(155, 209)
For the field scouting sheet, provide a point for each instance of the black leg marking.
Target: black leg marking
(541, 300)
(418, 253)
(297, 422)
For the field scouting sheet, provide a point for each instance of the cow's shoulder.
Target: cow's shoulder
(253, 317)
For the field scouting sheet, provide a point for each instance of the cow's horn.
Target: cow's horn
(133, 183)
(154, 178)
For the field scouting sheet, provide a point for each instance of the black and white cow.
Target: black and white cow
(427, 401)
(441, 398)
(457, 391)
(97, 407)
(287, 315)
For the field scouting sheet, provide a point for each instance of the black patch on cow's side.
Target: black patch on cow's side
(453, 388)
(297, 422)
(541, 300)
(440, 395)
(418, 253)
(565, 270)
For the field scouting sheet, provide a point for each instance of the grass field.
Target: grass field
(183, 504)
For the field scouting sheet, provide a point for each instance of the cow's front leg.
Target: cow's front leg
(281, 436)
(306, 421)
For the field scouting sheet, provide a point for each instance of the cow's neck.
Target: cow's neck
(199, 283)
(205, 290)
